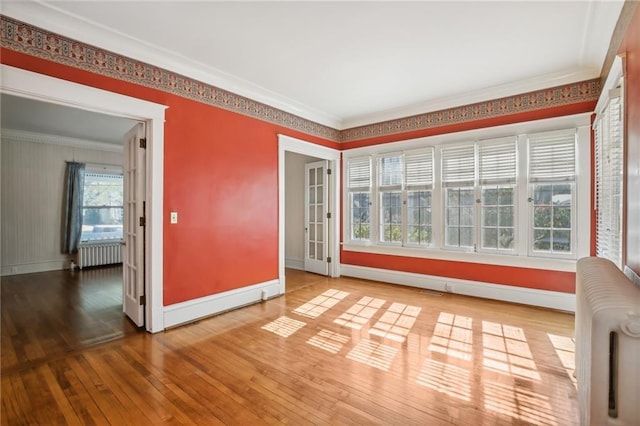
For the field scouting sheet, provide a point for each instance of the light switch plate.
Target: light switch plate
(174, 217)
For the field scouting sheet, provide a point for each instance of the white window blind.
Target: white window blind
(552, 156)
(390, 171)
(458, 166)
(497, 162)
(419, 169)
(359, 174)
(609, 163)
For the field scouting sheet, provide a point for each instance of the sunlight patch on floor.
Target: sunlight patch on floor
(284, 326)
(360, 313)
(396, 322)
(505, 350)
(373, 354)
(329, 341)
(452, 336)
(320, 304)
(445, 378)
(565, 348)
(519, 403)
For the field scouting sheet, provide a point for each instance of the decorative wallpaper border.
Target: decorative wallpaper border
(28, 39)
(25, 38)
(568, 94)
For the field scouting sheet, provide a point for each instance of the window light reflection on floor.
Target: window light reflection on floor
(284, 326)
(565, 348)
(446, 378)
(396, 322)
(505, 350)
(519, 403)
(373, 354)
(329, 341)
(320, 304)
(360, 313)
(453, 336)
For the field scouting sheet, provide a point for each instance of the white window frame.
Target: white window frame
(520, 256)
(350, 189)
(610, 167)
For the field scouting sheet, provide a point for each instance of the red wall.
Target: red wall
(631, 46)
(221, 176)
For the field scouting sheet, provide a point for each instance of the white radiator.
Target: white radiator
(607, 344)
(99, 253)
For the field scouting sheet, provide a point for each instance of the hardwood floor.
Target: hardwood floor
(50, 313)
(338, 351)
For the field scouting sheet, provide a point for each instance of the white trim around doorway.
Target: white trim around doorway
(290, 144)
(19, 82)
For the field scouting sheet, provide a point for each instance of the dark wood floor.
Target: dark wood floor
(331, 351)
(51, 313)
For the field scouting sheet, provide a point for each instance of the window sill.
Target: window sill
(514, 260)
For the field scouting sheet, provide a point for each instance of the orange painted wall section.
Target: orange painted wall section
(520, 277)
(631, 47)
(220, 175)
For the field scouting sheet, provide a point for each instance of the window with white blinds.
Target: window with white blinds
(497, 161)
(552, 175)
(359, 193)
(552, 156)
(609, 162)
(470, 197)
(459, 165)
(419, 196)
(390, 171)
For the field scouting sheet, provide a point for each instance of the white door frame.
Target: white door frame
(290, 144)
(19, 82)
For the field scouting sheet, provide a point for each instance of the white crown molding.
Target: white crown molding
(51, 18)
(490, 93)
(25, 136)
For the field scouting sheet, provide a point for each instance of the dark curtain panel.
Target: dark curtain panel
(72, 210)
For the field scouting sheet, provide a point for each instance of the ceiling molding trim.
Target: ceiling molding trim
(28, 39)
(568, 94)
(25, 136)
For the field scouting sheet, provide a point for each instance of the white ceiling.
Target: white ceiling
(345, 64)
(28, 115)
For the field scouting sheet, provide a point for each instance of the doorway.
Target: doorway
(48, 89)
(307, 153)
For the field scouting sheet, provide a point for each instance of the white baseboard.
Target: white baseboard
(527, 296)
(191, 310)
(294, 264)
(33, 267)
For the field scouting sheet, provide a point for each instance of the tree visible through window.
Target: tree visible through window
(102, 209)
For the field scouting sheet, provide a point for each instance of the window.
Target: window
(515, 195)
(609, 164)
(419, 189)
(497, 178)
(359, 188)
(458, 179)
(390, 190)
(102, 209)
(552, 174)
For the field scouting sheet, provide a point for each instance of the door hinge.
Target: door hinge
(143, 221)
(328, 259)
(143, 300)
(143, 143)
(328, 171)
(329, 215)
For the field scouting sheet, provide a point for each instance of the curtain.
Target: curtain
(72, 210)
